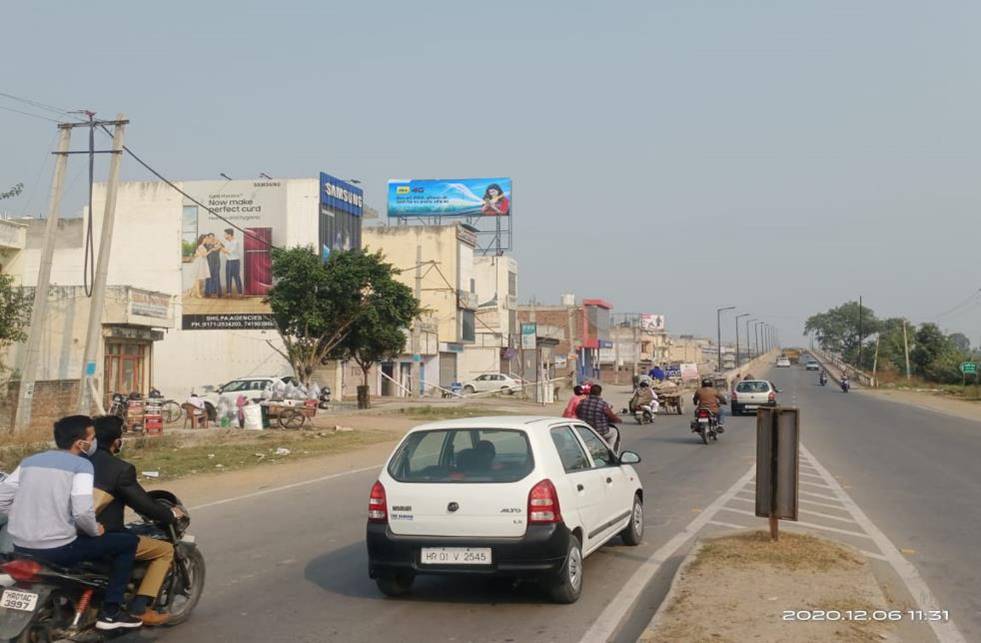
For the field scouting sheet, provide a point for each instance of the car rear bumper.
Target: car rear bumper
(542, 550)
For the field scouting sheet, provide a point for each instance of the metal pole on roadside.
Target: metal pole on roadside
(906, 350)
(718, 329)
(415, 388)
(749, 345)
(93, 338)
(756, 333)
(25, 396)
(739, 361)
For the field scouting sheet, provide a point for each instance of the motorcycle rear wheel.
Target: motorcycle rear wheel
(705, 435)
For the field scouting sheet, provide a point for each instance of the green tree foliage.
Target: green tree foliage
(935, 357)
(326, 311)
(12, 192)
(380, 332)
(15, 314)
(837, 330)
(961, 341)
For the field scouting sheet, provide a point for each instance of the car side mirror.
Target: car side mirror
(629, 457)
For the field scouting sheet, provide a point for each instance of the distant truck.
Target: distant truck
(793, 354)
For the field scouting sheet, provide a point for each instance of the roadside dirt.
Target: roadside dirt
(740, 588)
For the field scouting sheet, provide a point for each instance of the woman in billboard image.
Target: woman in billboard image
(495, 203)
(199, 268)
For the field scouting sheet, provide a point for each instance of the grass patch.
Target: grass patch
(176, 457)
(792, 551)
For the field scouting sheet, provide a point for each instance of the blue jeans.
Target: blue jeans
(119, 547)
(233, 270)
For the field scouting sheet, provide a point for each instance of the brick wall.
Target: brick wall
(53, 399)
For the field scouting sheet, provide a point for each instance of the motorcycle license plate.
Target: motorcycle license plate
(455, 556)
(17, 600)
(703, 420)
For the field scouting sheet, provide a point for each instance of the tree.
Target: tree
(935, 357)
(380, 332)
(15, 314)
(12, 192)
(837, 330)
(961, 341)
(314, 305)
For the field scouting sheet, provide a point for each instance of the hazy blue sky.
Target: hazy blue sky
(671, 157)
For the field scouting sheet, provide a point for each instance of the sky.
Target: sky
(670, 157)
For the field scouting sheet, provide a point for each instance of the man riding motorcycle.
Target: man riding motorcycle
(597, 413)
(116, 488)
(707, 397)
(644, 398)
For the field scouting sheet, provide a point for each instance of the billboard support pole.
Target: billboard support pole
(416, 331)
(86, 389)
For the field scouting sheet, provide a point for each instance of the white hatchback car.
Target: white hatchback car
(506, 496)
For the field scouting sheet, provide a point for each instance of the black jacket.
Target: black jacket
(118, 478)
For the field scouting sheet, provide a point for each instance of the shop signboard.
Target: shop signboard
(689, 372)
(226, 252)
(651, 323)
(449, 197)
(529, 335)
(341, 213)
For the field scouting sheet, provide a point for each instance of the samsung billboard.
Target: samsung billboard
(341, 210)
(489, 197)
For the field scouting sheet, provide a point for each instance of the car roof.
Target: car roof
(516, 422)
(741, 381)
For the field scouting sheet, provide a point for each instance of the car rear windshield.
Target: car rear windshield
(753, 387)
(463, 455)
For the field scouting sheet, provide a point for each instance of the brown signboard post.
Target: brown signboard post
(777, 464)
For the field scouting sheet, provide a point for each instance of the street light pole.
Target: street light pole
(749, 346)
(718, 329)
(756, 335)
(738, 361)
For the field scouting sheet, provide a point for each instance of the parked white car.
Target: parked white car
(508, 496)
(251, 387)
(492, 382)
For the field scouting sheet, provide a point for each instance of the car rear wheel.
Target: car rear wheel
(566, 587)
(633, 534)
(469, 390)
(395, 586)
(737, 410)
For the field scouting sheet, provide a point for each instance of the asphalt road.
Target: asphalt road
(292, 565)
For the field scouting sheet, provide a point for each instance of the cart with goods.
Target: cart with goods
(291, 414)
(670, 397)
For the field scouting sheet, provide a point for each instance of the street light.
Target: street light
(756, 334)
(738, 362)
(718, 329)
(749, 346)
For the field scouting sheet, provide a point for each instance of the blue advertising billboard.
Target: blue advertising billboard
(338, 195)
(449, 197)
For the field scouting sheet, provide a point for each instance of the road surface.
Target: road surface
(291, 565)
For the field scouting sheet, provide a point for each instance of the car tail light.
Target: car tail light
(734, 396)
(543, 504)
(22, 570)
(772, 396)
(377, 504)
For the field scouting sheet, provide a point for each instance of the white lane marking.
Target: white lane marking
(609, 620)
(945, 631)
(812, 475)
(817, 503)
(803, 523)
(820, 485)
(819, 495)
(869, 554)
(828, 516)
(303, 483)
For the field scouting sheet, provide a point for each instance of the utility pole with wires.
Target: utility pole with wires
(87, 391)
(417, 331)
(25, 396)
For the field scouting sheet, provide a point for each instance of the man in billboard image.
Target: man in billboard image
(233, 262)
(495, 203)
(213, 288)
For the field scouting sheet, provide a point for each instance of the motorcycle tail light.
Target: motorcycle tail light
(22, 571)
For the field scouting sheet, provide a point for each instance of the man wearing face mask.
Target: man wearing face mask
(48, 500)
(116, 488)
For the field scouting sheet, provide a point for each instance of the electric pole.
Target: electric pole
(25, 396)
(87, 390)
(417, 331)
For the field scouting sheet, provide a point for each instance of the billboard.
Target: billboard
(449, 197)
(226, 263)
(651, 323)
(341, 210)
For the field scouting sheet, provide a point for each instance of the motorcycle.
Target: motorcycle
(44, 602)
(323, 400)
(643, 415)
(845, 385)
(823, 379)
(706, 425)
(170, 410)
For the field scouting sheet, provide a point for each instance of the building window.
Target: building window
(189, 231)
(467, 326)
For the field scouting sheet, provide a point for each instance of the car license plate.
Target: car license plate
(15, 600)
(455, 556)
